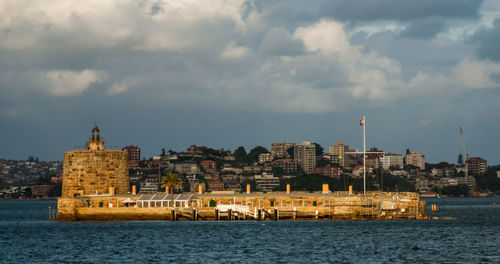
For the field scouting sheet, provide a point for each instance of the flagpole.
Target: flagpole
(364, 157)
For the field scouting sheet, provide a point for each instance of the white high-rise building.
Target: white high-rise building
(391, 159)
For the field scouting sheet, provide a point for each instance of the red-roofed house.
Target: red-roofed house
(215, 186)
(208, 165)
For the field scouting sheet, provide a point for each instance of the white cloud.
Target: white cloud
(177, 25)
(310, 68)
(476, 74)
(325, 36)
(466, 75)
(70, 83)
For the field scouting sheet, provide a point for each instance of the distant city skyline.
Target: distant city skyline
(156, 150)
(160, 74)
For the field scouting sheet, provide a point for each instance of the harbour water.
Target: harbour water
(473, 236)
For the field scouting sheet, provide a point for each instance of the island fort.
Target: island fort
(96, 186)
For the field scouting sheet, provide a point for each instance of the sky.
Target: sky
(169, 74)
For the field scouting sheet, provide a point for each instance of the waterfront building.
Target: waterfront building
(422, 184)
(95, 170)
(134, 154)
(416, 159)
(305, 155)
(267, 182)
(476, 165)
(280, 150)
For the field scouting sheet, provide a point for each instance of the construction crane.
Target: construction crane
(465, 153)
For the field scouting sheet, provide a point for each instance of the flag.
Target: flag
(362, 122)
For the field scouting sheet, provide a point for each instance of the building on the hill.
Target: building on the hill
(476, 165)
(280, 150)
(288, 165)
(215, 186)
(265, 157)
(328, 171)
(416, 159)
(391, 160)
(337, 152)
(305, 155)
(194, 187)
(208, 165)
(267, 182)
(187, 168)
(134, 154)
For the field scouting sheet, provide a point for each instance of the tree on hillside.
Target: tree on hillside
(253, 155)
(411, 167)
(488, 181)
(460, 160)
(240, 154)
(455, 190)
(324, 162)
(211, 152)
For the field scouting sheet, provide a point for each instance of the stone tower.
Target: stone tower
(93, 171)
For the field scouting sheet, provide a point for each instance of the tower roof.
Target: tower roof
(95, 129)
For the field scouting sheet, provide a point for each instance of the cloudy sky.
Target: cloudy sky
(170, 74)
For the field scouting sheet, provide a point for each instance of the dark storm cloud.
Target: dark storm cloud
(297, 12)
(399, 10)
(488, 41)
(165, 81)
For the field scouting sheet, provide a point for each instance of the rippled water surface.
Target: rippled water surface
(472, 237)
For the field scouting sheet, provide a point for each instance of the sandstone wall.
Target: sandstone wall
(89, 172)
(296, 206)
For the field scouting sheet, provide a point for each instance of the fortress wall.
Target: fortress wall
(89, 172)
(306, 206)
